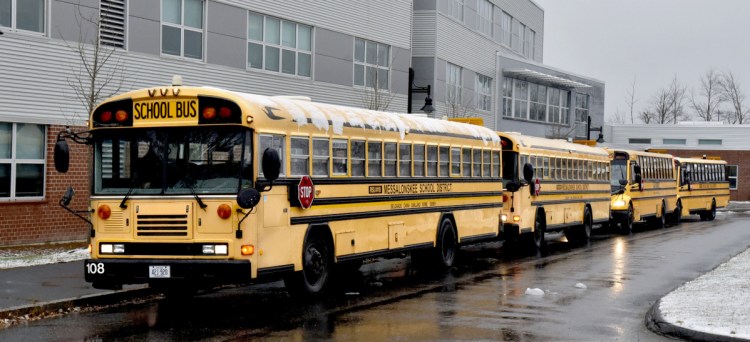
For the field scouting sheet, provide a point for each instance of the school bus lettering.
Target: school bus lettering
(154, 110)
(572, 187)
(396, 189)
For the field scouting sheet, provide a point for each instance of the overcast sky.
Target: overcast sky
(616, 41)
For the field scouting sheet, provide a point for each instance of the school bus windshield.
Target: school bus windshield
(179, 161)
(619, 171)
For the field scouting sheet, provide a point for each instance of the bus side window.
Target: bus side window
(546, 168)
(340, 157)
(496, 163)
(320, 157)
(455, 161)
(404, 160)
(358, 158)
(390, 155)
(589, 170)
(477, 162)
(524, 160)
(275, 141)
(374, 159)
(487, 163)
(432, 161)
(444, 161)
(466, 162)
(418, 160)
(300, 156)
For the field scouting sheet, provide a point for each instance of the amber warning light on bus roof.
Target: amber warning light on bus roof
(218, 111)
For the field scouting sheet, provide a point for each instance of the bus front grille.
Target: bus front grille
(162, 225)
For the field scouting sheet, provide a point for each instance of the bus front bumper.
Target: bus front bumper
(618, 215)
(116, 272)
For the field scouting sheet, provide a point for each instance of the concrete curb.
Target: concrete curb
(107, 298)
(656, 323)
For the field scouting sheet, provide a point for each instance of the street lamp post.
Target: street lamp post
(413, 88)
(600, 139)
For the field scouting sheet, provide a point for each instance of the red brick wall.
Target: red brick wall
(44, 221)
(739, 158)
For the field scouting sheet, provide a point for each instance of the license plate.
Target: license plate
(159, 272)
(147, 113)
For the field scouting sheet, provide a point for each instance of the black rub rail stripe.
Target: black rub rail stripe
(368, 199)
(574, 192)
(383, 213)
(578, 200)
(387, 180)
(710, 195)
(710, 189)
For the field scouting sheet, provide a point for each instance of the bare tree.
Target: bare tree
(631, 100)
(731, 91)
(667, 105)
(100, 73)
(706, 104)
(375, 94)
(560, 132)
(458, 107)
(619, 117)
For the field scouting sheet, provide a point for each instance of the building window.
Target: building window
(484, 10)
(530, 44)
(508, 97)
(278, 45)
(505, 23)
(519, 30)
(732, 176)
(538, 102)
(25, 15)
(457, 9)
(484, 93)
(639, 141)
(582, 108)
(112, 18)
(521, 96)
(371, 64)
(22, 156)
(453, 84)
(182, 28)
(674, 141)
(709, 141)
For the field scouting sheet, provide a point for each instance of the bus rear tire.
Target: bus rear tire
(446, 246)
(315, 277)
(582, 233)
(711, 214)
(660, 222)
(537, 242)
(677, 215)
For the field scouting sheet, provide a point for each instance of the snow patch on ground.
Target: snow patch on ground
(717, 302)
(33, 257)
(534, 292)
(581, 286)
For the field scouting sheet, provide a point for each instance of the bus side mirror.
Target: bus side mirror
(62, 156)
(513, 186)
(248, 198)
(637, 170)
(528, 173)
(67, 197)
(271, 164)
(623, 182)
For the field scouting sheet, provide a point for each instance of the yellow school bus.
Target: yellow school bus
(199, 186)
(643, 188)
(703, 186)
(552, 185)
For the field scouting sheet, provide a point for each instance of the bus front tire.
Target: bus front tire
(315, 277)
(709, 215)
(626, 223)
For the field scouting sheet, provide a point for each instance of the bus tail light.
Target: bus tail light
(247, 249)
(224, 211)
(104, 211)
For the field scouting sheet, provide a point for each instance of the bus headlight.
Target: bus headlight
(215, 249)
(112, 248)
(619, 203)
(504, 217)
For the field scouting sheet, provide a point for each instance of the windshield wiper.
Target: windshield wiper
(195, 194)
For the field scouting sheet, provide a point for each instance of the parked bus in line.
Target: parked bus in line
(552, 185)
(702, 188)
(643, 188)
(199, 186)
